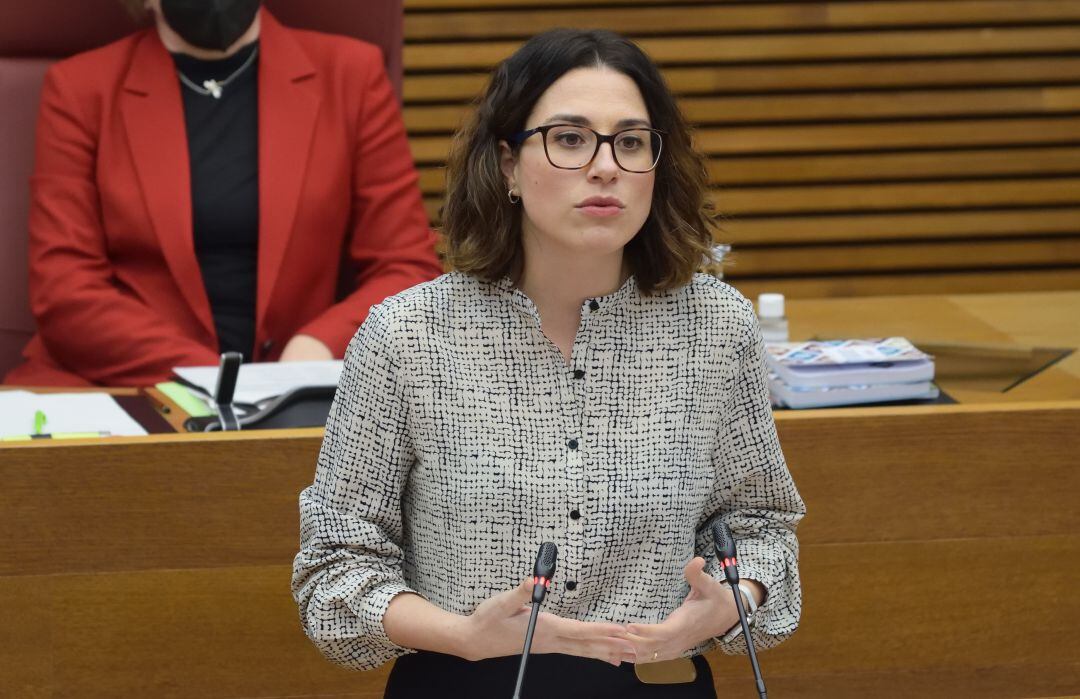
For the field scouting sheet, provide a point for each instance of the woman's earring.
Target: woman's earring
(510, 195)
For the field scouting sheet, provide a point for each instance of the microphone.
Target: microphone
(543, 571)
(725, 553)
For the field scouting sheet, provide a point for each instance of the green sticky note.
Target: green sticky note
(188, 401)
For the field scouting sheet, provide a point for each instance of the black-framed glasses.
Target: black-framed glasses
(572, 147)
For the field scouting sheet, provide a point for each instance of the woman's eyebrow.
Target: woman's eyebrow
(568, 119)
(584, 121)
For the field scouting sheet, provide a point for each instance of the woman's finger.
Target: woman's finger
(612, 651)
(645, 631)
(694, 572)
(512, 601)
(572, 628)
(649, 642)
(649, 651)
(597, 645)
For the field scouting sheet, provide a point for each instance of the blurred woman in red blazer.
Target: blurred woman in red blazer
(198, 186)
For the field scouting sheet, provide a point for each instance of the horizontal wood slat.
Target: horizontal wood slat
(902, 226)
(414, 6)
(824, 107)
(876, 197)
(729, 18)
(888, 136)
(894, 258)
(788, 169)
(814, 169)
(827, 138)
(959, 225)
(727, 79)
(873, 197)
(921, 282)
(779, 48)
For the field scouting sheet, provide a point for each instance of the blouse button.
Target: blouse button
(574, 514)
(594, 306)
(571, 586)
(579, 374)
(572, 444)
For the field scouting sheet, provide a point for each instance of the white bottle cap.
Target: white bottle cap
(770, 305)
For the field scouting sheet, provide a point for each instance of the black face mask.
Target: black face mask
(210, 24)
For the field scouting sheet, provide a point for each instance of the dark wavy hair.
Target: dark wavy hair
(135, 8)
(481, 229)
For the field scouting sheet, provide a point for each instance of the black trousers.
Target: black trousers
(547, 676)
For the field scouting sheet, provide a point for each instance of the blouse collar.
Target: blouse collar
(593, 306)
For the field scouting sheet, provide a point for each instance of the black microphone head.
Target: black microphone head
(546, 558)
(723, 540)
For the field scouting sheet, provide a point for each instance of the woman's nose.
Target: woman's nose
(603, 165)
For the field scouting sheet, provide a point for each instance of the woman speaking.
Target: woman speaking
(572, 380)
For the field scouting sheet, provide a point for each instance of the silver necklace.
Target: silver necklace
(214, 87)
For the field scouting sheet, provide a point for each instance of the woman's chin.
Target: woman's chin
(603, 240)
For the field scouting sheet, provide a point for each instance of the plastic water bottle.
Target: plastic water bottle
(774, 325)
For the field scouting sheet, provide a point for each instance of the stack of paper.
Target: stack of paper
(26, 415)
(259, 382)
(822, 374)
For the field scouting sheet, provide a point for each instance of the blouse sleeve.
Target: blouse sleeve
(349, 565)
(756, 496)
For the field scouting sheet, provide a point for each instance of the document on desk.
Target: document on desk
(259, 381)
(23, 413)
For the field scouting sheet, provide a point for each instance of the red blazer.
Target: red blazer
(114, 282)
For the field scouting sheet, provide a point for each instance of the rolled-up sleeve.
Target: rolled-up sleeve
(349, 565)
(757, 498)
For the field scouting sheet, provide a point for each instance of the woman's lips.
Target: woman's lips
(601, 211)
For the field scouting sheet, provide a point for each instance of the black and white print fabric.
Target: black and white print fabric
(460, 439)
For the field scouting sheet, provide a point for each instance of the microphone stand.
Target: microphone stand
(760, 683)
(525, 652)
(543, 570)
(725, 552)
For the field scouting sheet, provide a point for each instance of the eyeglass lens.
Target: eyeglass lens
(572, 147)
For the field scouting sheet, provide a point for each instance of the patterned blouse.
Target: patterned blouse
(460, 439)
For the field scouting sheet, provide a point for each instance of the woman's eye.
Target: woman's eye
(630, 142)
(569, 138)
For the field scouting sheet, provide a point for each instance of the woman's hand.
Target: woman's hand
(497, 628)
(305, 348)
(708, 611)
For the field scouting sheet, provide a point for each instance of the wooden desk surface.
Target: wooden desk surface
(1007, 320)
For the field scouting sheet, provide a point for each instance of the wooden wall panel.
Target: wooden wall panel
(947, 125)
(868, 626)
(728, 18)
(59, 495)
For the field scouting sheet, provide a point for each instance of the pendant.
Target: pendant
(214, 87)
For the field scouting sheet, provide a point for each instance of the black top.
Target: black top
(223, 145)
